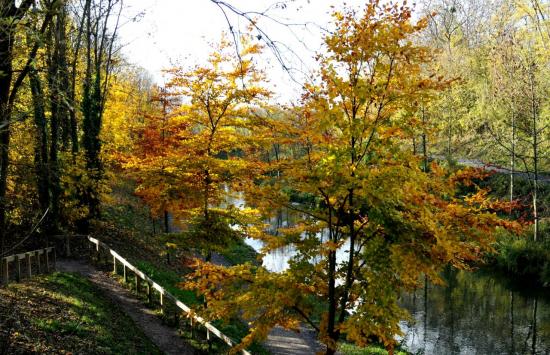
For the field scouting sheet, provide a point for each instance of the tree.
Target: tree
(519, 122)
(194, 152)
(460, 32)
(371, 201)
(148, 161)
(11, 16)
(505, 97)
(100, 47)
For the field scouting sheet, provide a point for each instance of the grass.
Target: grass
(64, 313)
(169, 280)
(351, 349)
(239, 253)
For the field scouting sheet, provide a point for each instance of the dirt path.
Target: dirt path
(166, 338)
(286, 342)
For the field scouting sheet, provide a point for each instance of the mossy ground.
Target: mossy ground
(350, 349)
(64, 313)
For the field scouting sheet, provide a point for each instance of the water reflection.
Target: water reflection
(278, 260)
(476, 314)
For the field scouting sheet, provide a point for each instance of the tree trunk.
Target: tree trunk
(55, 98)
(63, 76)
(332, 302)
(91, 126)
(206, 193)
(424, 143)
(6, 68)
(41, 160)
(513, 159)
(535, 146)
(72, 88)
(166, 222)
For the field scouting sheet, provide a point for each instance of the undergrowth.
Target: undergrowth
(523, 257)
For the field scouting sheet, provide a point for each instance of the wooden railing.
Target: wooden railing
(28, 257)
(163, 294)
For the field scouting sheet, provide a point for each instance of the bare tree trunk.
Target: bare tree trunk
(513, 158)
(535, 146)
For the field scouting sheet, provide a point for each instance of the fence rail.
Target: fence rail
(164, 295)
(28, 257)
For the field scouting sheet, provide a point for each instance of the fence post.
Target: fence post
(54, 259)
(114, 265)
(38, 261)
(208, 340)
(90, 251)
(161, 303)
(149, 293)
(137, 283)
(17, 268)
(125, 276)
(28, 260)
(46, 252)
(5, 273)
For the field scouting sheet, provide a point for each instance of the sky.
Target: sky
(179, 32)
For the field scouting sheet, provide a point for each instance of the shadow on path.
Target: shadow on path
(163, 336)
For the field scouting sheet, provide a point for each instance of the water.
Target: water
(477, 313)
(277, 260)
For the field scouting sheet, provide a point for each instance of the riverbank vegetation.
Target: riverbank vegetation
(520, 256)
(523, 258)
(382, 160)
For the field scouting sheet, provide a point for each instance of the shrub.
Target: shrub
(524, 257)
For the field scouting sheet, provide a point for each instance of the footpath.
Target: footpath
(163, 336)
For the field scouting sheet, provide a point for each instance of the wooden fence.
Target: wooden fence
(164, 295)
(29, 257)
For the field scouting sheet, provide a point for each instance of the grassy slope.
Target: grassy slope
(63, 313)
